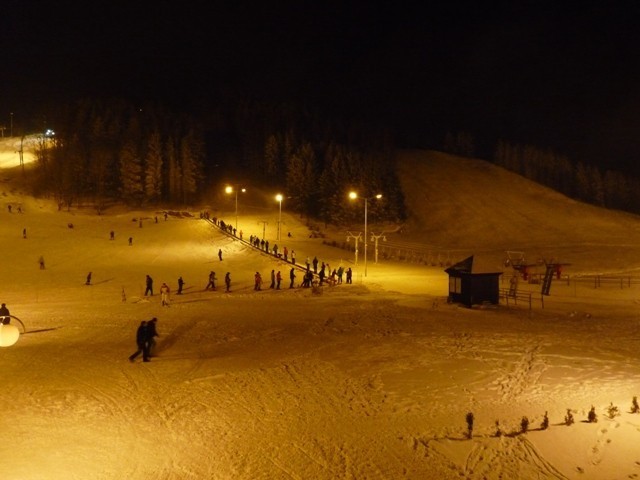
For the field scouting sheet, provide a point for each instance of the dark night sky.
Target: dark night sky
(542, 73)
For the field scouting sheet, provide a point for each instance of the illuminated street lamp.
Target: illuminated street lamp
(279, 198)
(353, 196)
(230, 189)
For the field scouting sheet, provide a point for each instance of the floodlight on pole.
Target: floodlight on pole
(354, 196)
(279, 198)
(230, 189)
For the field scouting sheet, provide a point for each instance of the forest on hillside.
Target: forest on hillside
(106, 151)
(588, 183)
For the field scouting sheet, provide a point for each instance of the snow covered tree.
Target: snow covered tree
(153, 168)
(568, 418)
(301, 181)
(191, 152)
(545, 421)
(524, 425)
(592, 417)
(469, 418)
(131, 180)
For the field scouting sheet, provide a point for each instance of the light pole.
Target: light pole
(353, 196)
(375, 238)
(357, 239)
(230, 189)
(279, 200)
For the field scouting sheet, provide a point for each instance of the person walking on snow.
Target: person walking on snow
(212, 281)
(227, 281)
(273, 279)
(258, 281)
(278, 280)
(180, 285)
(151, 334)
(149, 288)
(164, 294)
(315, 264)
(220, 254)
(141, 342)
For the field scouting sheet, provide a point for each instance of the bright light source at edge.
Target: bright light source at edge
(49, 133)
(379, 195)
(353, 195)
(9, 335)
(228, 189)
(279, 198)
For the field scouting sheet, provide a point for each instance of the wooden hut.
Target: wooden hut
(472, 288)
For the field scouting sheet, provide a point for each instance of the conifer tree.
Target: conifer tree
(131, 180)
(153, 168)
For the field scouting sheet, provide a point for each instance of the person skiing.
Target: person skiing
(141, 342)
(149, 288)
(180, 285)
(164, 294)
(227, 281)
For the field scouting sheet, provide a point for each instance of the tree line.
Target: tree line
(608, 188)
(106, 151)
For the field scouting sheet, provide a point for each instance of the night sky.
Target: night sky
(541, 73)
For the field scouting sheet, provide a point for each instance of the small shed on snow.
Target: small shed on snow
(472, 288)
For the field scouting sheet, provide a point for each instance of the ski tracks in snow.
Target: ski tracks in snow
(508, 457)
(522, 377)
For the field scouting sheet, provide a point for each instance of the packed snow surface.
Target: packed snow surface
(372, 380)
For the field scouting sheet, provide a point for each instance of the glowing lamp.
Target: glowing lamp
(9, 335)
